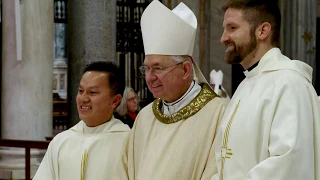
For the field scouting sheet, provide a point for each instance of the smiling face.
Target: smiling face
(95, 101)
(165, 85)
(238, 37)
(132, 102)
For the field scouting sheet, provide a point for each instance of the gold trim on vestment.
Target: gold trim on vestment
(206, 94)
(83, 164)
(226, 152)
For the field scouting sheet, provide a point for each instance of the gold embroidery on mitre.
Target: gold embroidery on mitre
(225, 150)
(206, 94)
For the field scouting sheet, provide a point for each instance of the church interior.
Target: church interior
(46, 44)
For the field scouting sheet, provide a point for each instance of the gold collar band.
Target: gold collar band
(206, 94)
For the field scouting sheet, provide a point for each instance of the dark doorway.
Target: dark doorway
(237, 76)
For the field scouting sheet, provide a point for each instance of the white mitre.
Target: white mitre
(216, 78)
(167, 32)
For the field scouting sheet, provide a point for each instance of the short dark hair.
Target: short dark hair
(257, 12)
(116, 79)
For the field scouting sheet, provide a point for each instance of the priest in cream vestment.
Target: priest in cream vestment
(271, 127)
(172, 138)
(90, 149)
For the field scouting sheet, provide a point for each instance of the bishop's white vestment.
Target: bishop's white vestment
(173, 141)
(271, 127)
(84, 153)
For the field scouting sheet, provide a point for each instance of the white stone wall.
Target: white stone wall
(26, 101)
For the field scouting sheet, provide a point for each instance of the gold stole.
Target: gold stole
(225, 151)
(206, 94)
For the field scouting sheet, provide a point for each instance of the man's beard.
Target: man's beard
(236, 54)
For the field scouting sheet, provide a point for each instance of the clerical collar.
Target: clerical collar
(192, 92)
(253, 66)
(93, 130)
(205, 95)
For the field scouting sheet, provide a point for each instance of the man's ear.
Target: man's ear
(263, 31)
(116, 100)
(187, 68)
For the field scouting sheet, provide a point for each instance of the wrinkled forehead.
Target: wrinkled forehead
(154, 60)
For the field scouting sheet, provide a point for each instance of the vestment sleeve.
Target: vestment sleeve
(125, 167)
(291, 137)
(211, 165)
(48, 165)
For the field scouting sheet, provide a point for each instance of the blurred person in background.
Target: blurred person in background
(128, 109)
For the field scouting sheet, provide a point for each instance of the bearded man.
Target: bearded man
(271, 127)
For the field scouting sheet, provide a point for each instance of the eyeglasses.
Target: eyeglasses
(133, 99)
(156, 70)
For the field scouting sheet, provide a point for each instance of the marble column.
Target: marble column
(26, 103)
(91, 37)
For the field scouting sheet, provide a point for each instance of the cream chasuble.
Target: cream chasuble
(178, 146)
(84, 153)
(271, 127)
